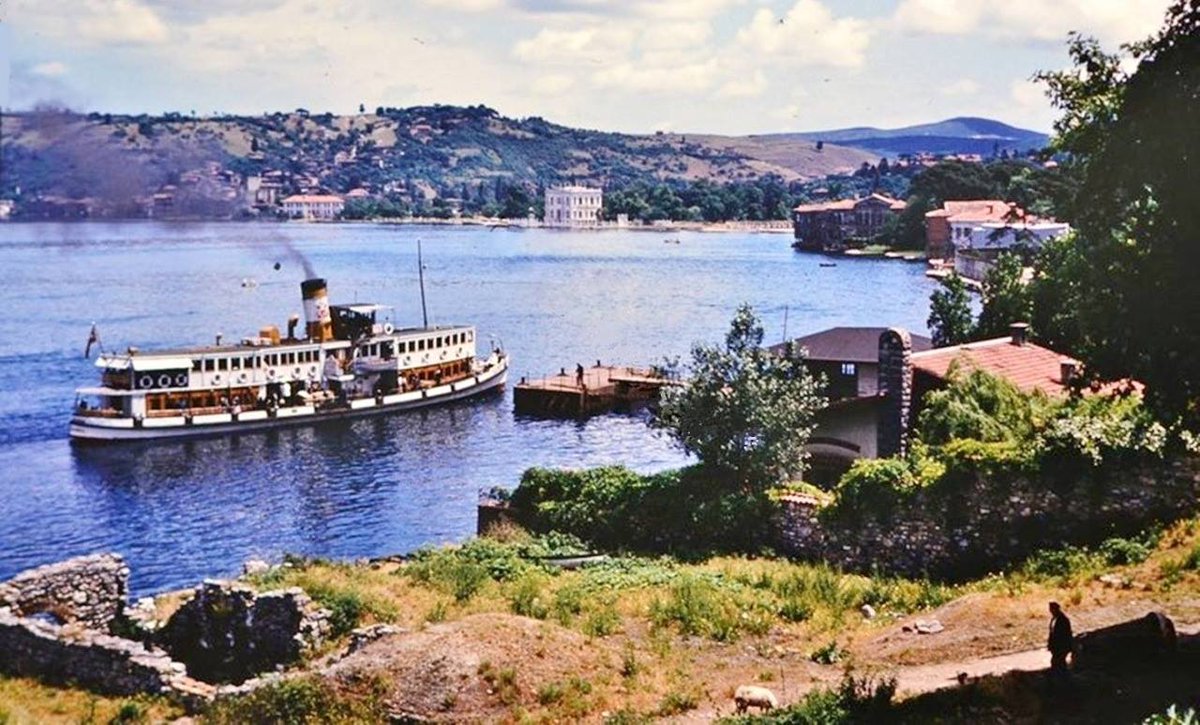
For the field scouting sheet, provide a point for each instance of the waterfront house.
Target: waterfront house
(573, 207)
(836, 225)
(313, 206)
(848, 357)
(878, 421)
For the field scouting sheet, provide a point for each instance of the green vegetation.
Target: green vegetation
(950, 319)
(745, 412)
(980, 425)
(304, 700)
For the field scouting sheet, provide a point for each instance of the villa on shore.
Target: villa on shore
(836, 225)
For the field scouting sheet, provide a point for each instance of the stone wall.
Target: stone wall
(227, 633)
(986, 523)
(98, 661)
(90, 590)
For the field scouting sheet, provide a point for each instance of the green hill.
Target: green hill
(422, 152)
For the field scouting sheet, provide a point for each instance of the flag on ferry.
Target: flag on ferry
(93, 339)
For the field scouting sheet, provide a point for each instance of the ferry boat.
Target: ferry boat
(351, 362)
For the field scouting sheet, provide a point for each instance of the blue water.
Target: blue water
(186, 510)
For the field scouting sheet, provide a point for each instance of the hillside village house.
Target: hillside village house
(573, 207)
(313, 206)
(834, 225)
(875, 419)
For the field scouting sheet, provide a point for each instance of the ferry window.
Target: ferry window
(210, 365)
(222, 364)
(420, 344)
(197, 365)
(235, 363)
(411, 346)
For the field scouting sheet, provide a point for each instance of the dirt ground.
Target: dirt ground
(456, 671)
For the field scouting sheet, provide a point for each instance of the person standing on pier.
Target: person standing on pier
(579, 374)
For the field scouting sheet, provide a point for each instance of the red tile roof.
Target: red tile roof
(850, 204)
(978, 210)
(1029, 366)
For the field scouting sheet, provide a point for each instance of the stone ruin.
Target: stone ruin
(228, 633)
(69, 622)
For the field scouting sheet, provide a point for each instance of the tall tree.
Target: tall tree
(1135, 138)
(744, 412)
(1005, 297)
(950, 318)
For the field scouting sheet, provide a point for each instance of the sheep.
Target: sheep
(748, 696)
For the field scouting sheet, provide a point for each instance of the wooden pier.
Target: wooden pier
(599, 389)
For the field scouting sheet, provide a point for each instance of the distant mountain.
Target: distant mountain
(962, 135)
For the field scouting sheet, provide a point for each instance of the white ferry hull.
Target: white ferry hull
(88, 429)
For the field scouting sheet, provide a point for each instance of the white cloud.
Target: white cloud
(1028, 95)
(689, 78)
(50, 69)
(961, 87)
(750, 87)
(572, 46)
(807, 34)
(552, 84)
(121, 21)
(467, 5)
(1113, 21)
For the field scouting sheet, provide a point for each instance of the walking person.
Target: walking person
(1061, 643)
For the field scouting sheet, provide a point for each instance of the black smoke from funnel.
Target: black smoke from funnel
(290, 253)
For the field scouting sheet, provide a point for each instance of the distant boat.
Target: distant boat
(670, 241)
(828, 264)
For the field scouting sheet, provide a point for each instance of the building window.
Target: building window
(849, 369)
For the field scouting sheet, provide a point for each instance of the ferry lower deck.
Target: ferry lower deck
(97, 426)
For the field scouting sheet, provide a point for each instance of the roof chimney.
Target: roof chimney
(1068, 367)
(1019, 332)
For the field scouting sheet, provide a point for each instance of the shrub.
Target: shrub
(602, 620)
(676, 703)
(1118, 551)
(874, 486)
(981, 407)
(528, 597)
(301, 700)
(830, 654)
(346, 610)
(698, 608)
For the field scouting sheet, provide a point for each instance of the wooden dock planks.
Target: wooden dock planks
(601, 388)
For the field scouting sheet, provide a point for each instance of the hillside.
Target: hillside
(962, 135)
(421, 153)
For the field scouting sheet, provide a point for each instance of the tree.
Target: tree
(1134, 137)
(745, 413)
(950, 318)
(1005, 297)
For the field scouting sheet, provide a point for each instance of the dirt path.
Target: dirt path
(912, 680)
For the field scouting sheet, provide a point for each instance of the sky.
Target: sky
(714, 66)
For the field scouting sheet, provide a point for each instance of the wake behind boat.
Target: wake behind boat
(351, 362)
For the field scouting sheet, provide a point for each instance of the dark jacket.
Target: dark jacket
(1061, 638)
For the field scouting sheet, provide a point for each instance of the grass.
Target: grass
(24, 701)
(662, 628)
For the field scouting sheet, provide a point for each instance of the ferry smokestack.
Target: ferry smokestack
(316, 309)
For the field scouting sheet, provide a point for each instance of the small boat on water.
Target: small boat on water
(350, 362)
